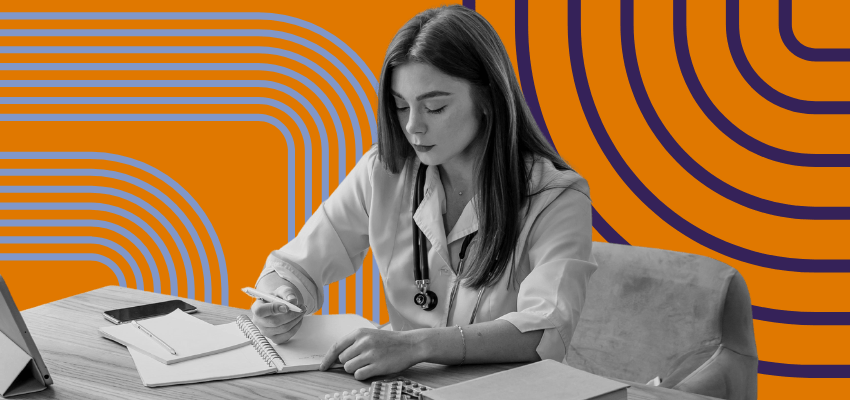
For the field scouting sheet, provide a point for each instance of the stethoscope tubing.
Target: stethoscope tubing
(420, 255)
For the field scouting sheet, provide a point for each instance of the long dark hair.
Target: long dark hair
(461, 43)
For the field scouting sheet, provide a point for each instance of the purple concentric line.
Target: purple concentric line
(733, 37)
(684, 159)
(647, 197)
(526, 77)
(804, 371)
(675, 220)
(606, 230)
(786, 32)
(801, 317)
(686, 65)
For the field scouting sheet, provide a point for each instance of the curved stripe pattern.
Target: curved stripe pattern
(137, 273)
(90, 223)
(804, 371)
(733, 37)
(184, 254)
(201, 16)
(183, 117)
(210, 100)
(222, 50)
(314, 114)
(786, 32)
(228, 32)
(647, 197)
(526, 76)
(53, 206)
(673, 219)
(74, 155)
(684, 159)
(800, 317)
(686, 65)
(122, 281)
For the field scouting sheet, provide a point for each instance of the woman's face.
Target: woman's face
(436, 112)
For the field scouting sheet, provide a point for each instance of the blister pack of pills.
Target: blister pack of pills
(398, 388)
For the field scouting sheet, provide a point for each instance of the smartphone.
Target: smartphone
(124, 315)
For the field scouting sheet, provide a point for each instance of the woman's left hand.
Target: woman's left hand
(372, 352)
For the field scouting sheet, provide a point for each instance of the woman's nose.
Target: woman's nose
(415, 123)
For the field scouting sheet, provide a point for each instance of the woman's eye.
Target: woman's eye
(437, 111)
(401, 109)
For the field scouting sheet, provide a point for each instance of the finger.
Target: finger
(276, 320)
(361, 360)
(367, 372)
(263, 309)
(333, 353)
(269, 328)
(283, 338)
(352, 351)
(286, 293)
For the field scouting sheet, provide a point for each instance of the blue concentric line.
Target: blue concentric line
(82, 155)
(125, 196)
(204, 66)
(137, 273)
(122, 281)
(202, 16)
(314, 114)
(305, 135)
(367, 106)
(184, 117)
(90, 223)
(112, 210)
(376, 290)
(276, 34)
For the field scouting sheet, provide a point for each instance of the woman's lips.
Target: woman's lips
(422, 149)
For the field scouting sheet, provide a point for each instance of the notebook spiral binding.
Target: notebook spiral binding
(261, 344)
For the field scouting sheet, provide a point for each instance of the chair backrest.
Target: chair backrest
(647, 308)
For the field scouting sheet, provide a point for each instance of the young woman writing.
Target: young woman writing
(481, 232)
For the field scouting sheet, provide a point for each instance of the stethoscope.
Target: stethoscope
(426, 298)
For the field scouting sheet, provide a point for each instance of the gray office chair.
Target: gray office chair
(682, 317)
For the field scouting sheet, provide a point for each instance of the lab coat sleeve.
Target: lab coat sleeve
(334, 240)
(551, 297)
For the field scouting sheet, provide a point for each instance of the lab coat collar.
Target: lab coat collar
(429, 215)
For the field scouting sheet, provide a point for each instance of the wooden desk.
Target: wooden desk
(87, 366)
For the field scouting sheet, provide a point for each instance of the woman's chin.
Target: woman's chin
(427, 159)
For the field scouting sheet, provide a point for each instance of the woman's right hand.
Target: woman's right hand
(275, 320)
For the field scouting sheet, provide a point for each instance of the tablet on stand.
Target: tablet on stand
(22, 370)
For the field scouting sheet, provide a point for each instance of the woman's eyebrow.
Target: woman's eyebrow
(433, 93)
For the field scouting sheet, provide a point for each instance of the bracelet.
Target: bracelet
(463, 339)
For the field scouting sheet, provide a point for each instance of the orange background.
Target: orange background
(237, 171)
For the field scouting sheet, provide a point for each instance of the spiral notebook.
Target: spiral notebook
(304, 352)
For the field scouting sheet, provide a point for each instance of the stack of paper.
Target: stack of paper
(189, 336)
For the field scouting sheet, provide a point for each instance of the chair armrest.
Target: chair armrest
(726, 374)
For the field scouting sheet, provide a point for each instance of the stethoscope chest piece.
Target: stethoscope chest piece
(426, 300)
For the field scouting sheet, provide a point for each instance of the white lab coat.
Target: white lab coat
(371, 208)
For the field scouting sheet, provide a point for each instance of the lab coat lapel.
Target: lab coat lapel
(429, 214)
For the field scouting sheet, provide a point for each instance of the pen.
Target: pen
(158, 340)
(269, 298)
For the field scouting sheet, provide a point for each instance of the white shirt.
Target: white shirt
(371, 208)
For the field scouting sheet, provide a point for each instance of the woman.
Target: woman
(491, 190)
